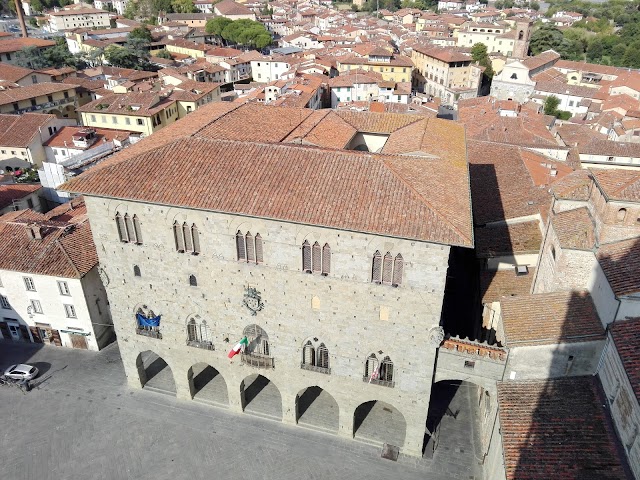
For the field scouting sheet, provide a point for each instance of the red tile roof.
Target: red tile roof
(503, 239)
(495, 284)
(550, 318)
(13, 44)
(575, 229)
(626, 337)
(16, 191)
(19, 130)
(619, 184)
(620, 262)
(11, 95)
(557, 429)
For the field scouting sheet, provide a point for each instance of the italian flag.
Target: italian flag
(241, 345)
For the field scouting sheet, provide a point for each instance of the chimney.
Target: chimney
(34, 231)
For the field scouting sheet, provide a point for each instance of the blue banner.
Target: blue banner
(148, 322)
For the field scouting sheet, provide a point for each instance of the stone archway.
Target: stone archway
(316, 408)
(207, 385)
(155, 374)
(260, 396)
(378, 422)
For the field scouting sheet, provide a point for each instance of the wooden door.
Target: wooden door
(55, 336)
(78, 341)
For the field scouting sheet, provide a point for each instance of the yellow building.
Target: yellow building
(55, 98)
(392, 68)
(186, 47)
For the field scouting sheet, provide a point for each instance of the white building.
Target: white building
(78, 18)
(268, 69)
(50, 289)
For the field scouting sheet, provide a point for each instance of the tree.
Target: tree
(31, 57)
(216, 25)
(183, 6)
(142, 33)
(631, 56)
(479, 54)
(534, 6)
(164, 53)
(545, 38)
(551, 105)
(36, 6)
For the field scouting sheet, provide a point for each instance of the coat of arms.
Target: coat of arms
(252, 300)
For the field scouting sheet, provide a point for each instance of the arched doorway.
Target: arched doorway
(154, 373)
(316, 408)
(456, 409)
(261, 397)
(379, 422)
(207, 385)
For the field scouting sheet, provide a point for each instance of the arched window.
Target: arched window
(192, 331)
(258, 340)
(376, 271)
(131, 234)
(398, 270)
(306, 257)
(387, 268)
(520, 35)
(622, 214)
(371, 367)
(251, 248)
(195, 235)
(326, 259)
(259, 256)
(122, 229)
(188, 241)
(198, 333)
(136, 271)
(193, 281)
(322, 356)
(240, 248)
(386, 370)
(309, 354)
(178, 237)
(316, 257)
(137, 230)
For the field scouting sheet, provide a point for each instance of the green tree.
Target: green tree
(36, 6)
(216, 25)
(164, 53)
(631, 56)
(534, 6)
(142, 33)
(479, 54)
(31, 57)
(545, 38)
(183, 6)
(551, 105)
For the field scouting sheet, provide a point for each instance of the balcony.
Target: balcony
(198, 344)
(55, 103)
(313, 368)
(376, 381)
(149, 333)
(257, 360)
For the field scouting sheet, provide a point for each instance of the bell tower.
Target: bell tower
(523, 35)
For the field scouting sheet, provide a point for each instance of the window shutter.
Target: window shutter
(387, 268)
(306, 257)
(398, 270)
(371, 365)
(136, 227)
(376, 272)
(177, 234)
(196, 239)
(188, 242)
(307, 354)
(264, 344)
(122, 229)
(240, 247)
(316, 258)
(131, 234)
(386, 370)
(204, 332)
(251, 248)
(326, 259)
(259, 255)
(322, 356)
(192, 331)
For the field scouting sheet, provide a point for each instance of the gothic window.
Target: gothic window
(622, 214)
(376, 272)
(387, 268)
(193, 281)
(306, 257)
(188, 241)
(249, 248)
(309, 354)
(198, 331)
(259, 256)
(322, 356)
(315, 357)
(398, 270)
(137, 230)
(122, 229)
(258, 341)
(136, 271)
(177, 235)
(371, 366)
(316, 257)
(386, 370)
(195, 235)
(326, 259)
(240, 248)
(128, 223)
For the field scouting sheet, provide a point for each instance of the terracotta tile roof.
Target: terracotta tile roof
(620, 262)
(550, 318)
(19, 130)
(501, 187)
(501, 239)
(575, 229)
(557, 429)
(147, 104)
(14, 44)
(609, 148)
(13, 73)
(370, 193)
(66, 249)
(229, 7)
(16, 191)
(618, 184)
(495, 284)
(626, 337)
(541, 59)
(444, 54)
(11, 95)
(64, 137)
(578, 135)
(575, 186)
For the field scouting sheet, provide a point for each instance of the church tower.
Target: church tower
(523, 35)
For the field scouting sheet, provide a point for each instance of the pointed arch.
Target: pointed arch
(386, 370)
(322, 356)
(192, 331)
(376, 270)
(387, 268)
(178, 236)
(136, 271)
(306, 257)
(240, 247)
(259, 254)
(326, 259)
(371, 366)
(316, 258)
(122, 229)
(308, 354)
(398, 270)
(251, 247)
(131, 234)
(193, 281)
(196, 239)
(137, 230)
(188, 241)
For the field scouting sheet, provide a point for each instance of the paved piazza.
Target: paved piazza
(81, 421)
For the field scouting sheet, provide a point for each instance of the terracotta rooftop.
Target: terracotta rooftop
(548, 56)
(422, 198)
(64, 137)
(65, 250)
(13, 44)
(618, 184)
(11, 95)
(620, 262)
(557, 429)
(19, 130)
(15, 191)
(444, 54)
(495, 284)
(550, 318)
(575, 186)
(13, 73)
(575, 229)
(502, 239)
(626, 337)
(229, 7)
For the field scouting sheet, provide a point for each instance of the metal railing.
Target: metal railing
(149, 333)
(199, 344)
(257, 360)
(52, 104)
(377, 381)
(313, 368)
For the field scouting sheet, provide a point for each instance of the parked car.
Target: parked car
(21, 372)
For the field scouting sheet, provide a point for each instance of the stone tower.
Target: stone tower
(523, 35)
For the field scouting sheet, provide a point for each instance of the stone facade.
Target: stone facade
(350, 315)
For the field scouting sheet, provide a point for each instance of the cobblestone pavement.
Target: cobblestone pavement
(81, 421)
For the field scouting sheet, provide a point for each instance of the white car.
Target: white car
(21, 372)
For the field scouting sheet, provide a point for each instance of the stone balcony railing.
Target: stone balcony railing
(149, 333)
(376, 381)
(313, 368)
(44, 106)
(475, 349)
(198, 344)
(257, 360)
